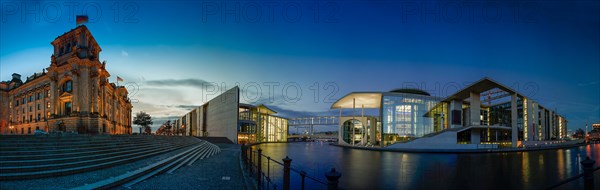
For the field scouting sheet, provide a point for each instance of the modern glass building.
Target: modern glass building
(259, 124)
(485, 112)
(225, 116)
(409, 113)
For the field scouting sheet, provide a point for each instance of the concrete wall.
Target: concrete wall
(222, 115)
(475, 109)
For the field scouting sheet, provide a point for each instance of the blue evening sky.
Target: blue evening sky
(173, 54)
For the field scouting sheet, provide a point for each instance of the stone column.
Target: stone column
(84, 89)
(115, 107)
(475, 108)
(513, 119)
(102, 103)
(53, 99)
(95, 94)
(75, 92)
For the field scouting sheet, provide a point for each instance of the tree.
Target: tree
(144, 121)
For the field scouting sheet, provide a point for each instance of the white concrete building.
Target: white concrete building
(483, 114)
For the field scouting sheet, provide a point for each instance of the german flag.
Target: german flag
(80, 19)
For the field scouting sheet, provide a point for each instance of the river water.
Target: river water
(364, 169)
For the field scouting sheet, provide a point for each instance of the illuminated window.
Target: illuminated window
(48, 104)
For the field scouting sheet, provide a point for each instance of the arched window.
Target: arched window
(67, 86)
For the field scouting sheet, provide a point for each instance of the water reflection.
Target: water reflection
(362, 169)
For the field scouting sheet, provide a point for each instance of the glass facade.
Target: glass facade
(406, 116)
(255, 126)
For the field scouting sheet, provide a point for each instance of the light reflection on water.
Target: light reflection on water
(362, 169)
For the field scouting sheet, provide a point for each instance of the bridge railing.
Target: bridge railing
(316, 120)
(255, 161)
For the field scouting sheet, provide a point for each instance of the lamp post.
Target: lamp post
(11, 129)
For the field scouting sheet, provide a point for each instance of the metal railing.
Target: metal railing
(587, 175)
(254, 161)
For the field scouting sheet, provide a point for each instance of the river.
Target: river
(364, 169)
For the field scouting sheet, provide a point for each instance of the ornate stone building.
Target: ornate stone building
(72, 95)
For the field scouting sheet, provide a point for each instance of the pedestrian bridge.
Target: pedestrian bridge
(308, 123)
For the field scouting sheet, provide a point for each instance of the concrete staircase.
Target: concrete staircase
(30, 157)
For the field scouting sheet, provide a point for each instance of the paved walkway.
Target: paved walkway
(221, 171)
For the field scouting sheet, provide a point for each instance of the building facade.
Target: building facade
(72, 95)
(225, 116)
(260, 124)
(485, 112)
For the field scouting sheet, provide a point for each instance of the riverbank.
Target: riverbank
(569, 144)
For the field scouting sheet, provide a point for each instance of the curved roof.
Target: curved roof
(358, 100)
(410, 91)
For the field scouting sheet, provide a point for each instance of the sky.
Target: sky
(298, 57)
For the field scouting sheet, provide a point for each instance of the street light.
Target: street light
(11, 129)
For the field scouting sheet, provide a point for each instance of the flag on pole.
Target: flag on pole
(80, 19)
(119, 79)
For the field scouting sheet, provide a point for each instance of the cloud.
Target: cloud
(182, 107)
(197, 83)
(187, 106)
(124, 53)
